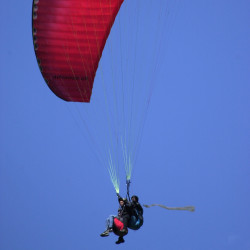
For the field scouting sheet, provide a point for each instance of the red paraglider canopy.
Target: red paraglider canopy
(69, 37)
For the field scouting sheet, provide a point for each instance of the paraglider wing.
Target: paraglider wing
(69, 37)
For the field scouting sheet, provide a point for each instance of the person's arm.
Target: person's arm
(118, 195)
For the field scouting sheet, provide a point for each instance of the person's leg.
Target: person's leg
(109, 226)
(110, 222)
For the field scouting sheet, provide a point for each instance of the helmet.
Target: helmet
(135, 197)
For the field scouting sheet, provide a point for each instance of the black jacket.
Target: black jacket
(125, 210)
(136, 209)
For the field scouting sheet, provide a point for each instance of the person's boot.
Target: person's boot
(120, 240)
(105, 233)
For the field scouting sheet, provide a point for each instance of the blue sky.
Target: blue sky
(54, 193)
